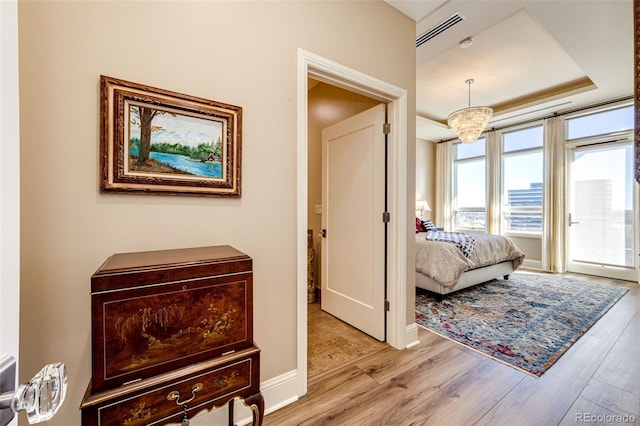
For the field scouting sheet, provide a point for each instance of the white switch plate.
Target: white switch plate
(318, 208)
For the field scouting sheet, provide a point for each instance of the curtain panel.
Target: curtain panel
(444, 191)
(553, 196)
(494, 186)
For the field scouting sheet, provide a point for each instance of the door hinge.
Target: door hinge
(323, 233)
(386, 217)
(387, 306)
(386, 128)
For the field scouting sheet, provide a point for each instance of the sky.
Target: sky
(182, 129)
(612, 164)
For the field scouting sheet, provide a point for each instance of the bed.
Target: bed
(442, 268)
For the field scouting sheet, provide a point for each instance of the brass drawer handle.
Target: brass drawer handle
(175, 395)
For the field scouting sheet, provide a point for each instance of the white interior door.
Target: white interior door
(602, 218)
(353, 199)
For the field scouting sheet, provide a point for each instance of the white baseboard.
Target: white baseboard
(532, 264)
(411, 335)
(278, 392)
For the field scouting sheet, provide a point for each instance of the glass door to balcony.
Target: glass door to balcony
(601, 221)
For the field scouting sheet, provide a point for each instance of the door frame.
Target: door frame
(9, 184)
(325, 70)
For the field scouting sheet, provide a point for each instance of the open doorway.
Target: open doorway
(400, 334)
(331, 342)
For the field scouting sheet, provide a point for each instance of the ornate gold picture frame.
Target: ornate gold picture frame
(154, 141)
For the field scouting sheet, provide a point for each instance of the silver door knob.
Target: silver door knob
(41, 397)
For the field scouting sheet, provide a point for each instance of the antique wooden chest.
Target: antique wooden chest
(155, 312)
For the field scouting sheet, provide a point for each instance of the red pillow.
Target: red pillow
(419, 226)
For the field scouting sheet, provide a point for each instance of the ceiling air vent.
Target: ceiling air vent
(439, 29)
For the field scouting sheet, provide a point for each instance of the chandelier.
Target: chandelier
(468, 123)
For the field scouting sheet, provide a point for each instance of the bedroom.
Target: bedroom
(521, 109)
(532, 244)
(522, 95)
(66, 228)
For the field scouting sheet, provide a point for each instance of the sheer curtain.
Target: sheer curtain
(444, 161)
(553, 213)
(494, 186)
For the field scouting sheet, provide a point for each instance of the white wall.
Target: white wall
(9, 181)
(242, 53)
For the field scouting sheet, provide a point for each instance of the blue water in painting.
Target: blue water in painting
(183, 163)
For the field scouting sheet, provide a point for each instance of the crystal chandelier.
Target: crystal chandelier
(469, 122)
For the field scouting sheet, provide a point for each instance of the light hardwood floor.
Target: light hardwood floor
(439, 382)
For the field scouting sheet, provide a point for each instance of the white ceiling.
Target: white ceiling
(528, 58)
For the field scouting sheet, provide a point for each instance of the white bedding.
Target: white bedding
(445, 263)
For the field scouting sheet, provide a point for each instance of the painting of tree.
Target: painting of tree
(143, 117)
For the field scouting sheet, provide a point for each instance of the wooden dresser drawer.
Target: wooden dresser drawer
(160, 399)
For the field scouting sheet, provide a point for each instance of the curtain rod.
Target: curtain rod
(555, 114)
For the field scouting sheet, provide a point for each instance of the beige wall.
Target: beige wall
(532, 249)
(242, 53)
(426, 174)
(327, 105)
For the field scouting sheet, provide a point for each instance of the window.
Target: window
(600, 123)
(522, 170)
(469, 188)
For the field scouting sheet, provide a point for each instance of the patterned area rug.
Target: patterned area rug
(527, 322)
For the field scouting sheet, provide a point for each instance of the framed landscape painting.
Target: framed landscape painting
(154, 141)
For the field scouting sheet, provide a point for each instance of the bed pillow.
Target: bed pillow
(419, 226)
(428, 225)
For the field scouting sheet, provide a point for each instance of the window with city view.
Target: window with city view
(522, 170)
(469, 185)
(600, 196)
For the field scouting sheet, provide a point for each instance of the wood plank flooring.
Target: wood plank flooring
(438, 382)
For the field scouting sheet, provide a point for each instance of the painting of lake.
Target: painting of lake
(167, 142)
(184, 164)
